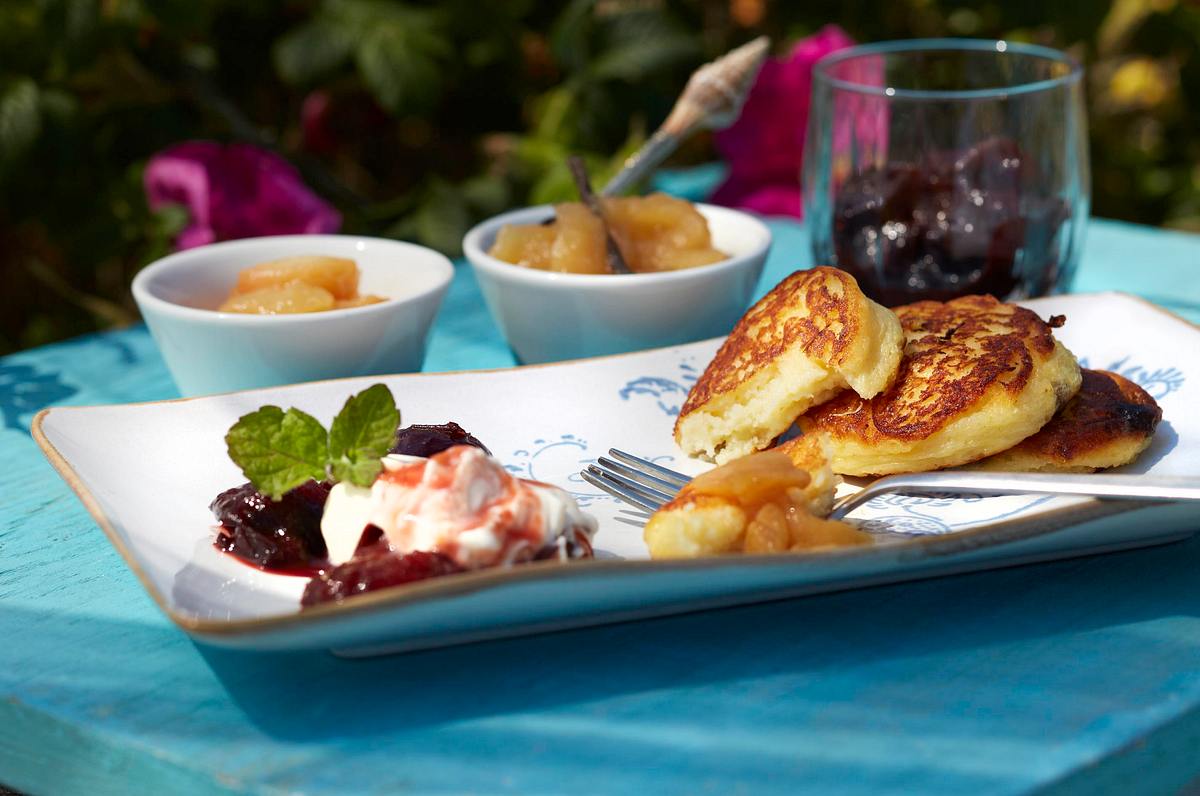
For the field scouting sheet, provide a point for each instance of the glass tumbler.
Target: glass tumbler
(941, 168)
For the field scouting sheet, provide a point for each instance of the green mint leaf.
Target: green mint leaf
(361, 435)
(278, 450)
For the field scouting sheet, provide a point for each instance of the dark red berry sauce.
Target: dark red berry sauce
(376, 568)
(425, 441)
(952, 225)
(280, 535)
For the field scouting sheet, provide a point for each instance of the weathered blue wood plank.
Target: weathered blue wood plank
(1080, 676)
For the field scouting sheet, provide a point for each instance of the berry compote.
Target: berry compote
(952, 225)
(375, 567)
(418, 440)
(283, 535)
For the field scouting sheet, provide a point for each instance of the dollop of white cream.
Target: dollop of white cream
(347, 512)
(466, 506)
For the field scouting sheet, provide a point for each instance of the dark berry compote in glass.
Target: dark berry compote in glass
(951, 225)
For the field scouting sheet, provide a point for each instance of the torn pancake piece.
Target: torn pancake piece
(814, 335)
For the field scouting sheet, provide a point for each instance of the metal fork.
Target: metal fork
(648, 486)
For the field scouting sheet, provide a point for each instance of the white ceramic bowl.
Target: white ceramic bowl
(211, 352)
(552, 316)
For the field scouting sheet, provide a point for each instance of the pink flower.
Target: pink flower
(765, 146)
(234, 191)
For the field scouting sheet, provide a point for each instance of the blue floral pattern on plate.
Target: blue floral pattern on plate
(1159, 382)
(545, 458)
(669, 393)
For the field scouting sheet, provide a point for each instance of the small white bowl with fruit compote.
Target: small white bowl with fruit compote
(327, 331)
(547, 314)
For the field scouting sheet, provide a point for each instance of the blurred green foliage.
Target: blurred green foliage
(418, 118)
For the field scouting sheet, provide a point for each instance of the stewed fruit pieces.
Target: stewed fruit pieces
(305, 283)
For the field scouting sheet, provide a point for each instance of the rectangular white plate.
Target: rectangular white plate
(147, 473)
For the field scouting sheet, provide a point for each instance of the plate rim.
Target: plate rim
(930, 546)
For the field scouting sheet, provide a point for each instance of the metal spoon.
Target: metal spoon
(713, 98)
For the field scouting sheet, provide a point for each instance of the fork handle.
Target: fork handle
(1126, 487)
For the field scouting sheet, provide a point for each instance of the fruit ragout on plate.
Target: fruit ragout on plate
(369, 505)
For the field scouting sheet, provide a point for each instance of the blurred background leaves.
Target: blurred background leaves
(418, 118)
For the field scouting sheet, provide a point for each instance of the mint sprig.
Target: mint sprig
(278, 451)
(361, 435)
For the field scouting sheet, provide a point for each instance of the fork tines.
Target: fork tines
(620, 488)
(679, 480)
(634, 480)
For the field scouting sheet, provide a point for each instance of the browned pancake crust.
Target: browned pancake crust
(1108, 407)
(824, 332)
(955, 352)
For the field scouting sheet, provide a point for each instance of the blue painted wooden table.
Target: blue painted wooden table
(1076, 677)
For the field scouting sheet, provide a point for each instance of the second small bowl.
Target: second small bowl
(548, 316)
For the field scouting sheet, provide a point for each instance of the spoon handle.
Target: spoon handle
(640, 164)
(968, 483)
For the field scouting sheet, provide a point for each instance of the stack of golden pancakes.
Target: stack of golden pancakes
(969, 382)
